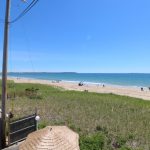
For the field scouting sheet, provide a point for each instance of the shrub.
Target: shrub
(93, 142)
(42, 125)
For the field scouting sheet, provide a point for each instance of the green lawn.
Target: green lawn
(103, 121)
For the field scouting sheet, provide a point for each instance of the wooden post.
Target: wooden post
(8, 131)
(36, 122)
(4, 75)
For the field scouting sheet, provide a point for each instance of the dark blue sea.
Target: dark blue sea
(122, 79)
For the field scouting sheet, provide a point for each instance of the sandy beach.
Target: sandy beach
(119, 90)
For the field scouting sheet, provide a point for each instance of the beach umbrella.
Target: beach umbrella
(51, 138)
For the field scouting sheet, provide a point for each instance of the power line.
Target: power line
(25, 11)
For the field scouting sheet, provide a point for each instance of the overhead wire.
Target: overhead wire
(25, 11)
(12, 95)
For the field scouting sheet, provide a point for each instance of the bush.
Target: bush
(93, 142)
(42, 125)
(33, 93)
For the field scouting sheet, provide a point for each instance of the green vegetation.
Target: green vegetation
(103, 121)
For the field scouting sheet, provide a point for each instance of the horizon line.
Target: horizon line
(78, 72)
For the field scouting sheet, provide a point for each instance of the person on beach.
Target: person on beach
(103, 85)
(142, 89)
(80, 84)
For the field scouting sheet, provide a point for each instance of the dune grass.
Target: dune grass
(103, 121)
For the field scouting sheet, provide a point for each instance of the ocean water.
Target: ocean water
(121, 79)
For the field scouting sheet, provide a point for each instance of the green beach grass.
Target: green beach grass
(103, 121)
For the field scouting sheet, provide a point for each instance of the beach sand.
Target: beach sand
(119, 90)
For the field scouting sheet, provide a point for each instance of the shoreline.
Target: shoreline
(85, 82)
(90, 87)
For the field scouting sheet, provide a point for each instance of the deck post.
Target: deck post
(4, 75)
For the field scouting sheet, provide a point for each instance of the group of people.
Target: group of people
(142, 89)
(81, 84)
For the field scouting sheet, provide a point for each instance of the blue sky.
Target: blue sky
(80, 36)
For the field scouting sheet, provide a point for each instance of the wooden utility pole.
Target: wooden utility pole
(4, 75)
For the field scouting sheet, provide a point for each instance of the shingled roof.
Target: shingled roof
(51, 138)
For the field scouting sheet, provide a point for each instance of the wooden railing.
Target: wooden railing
(19, 129)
